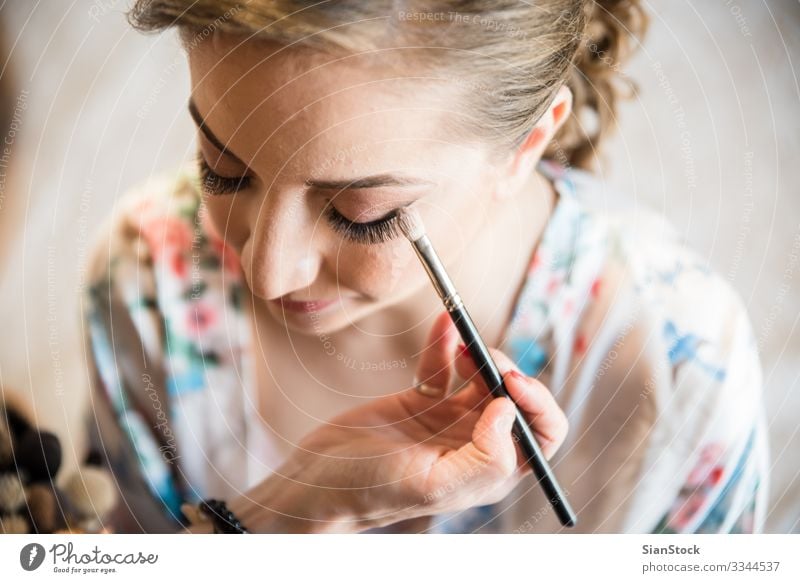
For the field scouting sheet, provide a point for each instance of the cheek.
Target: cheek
(220, 218)
(393, 269)
(380, 271)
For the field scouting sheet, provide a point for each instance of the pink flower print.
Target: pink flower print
(552, 285)
(706, 474)
(177, 262)
(684, 514)
(200, 317)
(535, 262)
(596, 285)
(580, 344)
(227, 255)
(709, 457)
(166, 236)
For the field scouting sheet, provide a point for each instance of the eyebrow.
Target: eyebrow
(374, 181)
(203, 127)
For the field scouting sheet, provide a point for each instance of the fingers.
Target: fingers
(466, 368)
(533, 398)
(434, 370)
(540, 409)
(488, 459)
(536, 402)
(476, 392)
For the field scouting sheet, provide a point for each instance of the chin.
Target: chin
(315, 324)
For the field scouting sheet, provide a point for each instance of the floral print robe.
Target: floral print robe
(649, 353)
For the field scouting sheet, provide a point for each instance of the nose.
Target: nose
(280, 256)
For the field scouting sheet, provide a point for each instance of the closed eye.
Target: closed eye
(216, 184)
(369, 233)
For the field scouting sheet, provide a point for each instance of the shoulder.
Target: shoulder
(608, 268)
(159, 243)
(684, 335)
(638, 322)
(652, 357)
(150, 223)
(668, 287)
(157, 261)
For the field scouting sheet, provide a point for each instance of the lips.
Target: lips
(305, 307)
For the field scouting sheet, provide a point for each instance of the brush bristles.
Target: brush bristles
(410, 223)
(91, 492)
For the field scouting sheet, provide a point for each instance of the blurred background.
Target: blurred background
(712, 141)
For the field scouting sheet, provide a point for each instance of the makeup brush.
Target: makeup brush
(39, 453)
(411, 225)
(12, 493)
(92, 493)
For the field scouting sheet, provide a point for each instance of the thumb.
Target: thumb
(489, 456)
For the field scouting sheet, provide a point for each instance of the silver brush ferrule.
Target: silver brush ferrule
(436, 271)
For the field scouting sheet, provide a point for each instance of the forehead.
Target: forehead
(259, 97)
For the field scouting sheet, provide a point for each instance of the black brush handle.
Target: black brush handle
(522, 432)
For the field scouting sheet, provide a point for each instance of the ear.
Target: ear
(521, 163)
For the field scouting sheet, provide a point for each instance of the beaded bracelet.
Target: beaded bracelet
(225, 521)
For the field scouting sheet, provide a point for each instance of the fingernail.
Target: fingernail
(429, 390)
(517, 375)
(462, 351)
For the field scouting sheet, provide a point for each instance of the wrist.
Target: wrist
(288, 502)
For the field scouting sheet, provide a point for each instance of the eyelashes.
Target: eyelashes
(366, 233)
(217, 185)
(369, 233)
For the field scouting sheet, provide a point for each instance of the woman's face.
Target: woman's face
(297, 149)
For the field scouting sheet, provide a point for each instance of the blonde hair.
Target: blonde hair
(509, 58)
